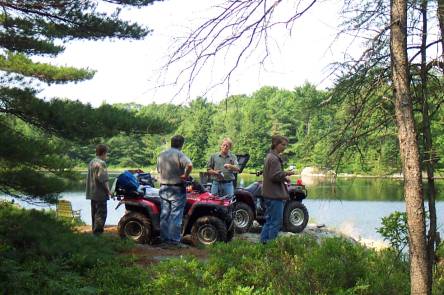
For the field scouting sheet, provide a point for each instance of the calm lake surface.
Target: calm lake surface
(353, 206)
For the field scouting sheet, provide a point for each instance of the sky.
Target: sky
(130, 71)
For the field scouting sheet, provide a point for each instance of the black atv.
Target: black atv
(249, 204)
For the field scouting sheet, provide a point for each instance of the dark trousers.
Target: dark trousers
(98, 215)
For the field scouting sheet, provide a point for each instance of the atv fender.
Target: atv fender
(145, 207)
(297, 194)
(247, 198)
(200, 210)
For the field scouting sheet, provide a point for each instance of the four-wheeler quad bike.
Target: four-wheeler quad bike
(207, 218)
(249, 204)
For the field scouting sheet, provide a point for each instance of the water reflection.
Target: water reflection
(329, 188)
(355, 188)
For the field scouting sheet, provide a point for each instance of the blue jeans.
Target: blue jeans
(273, 219)
(173, 199)
(222, 188)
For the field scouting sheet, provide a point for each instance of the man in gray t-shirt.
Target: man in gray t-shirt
(173, 167)
(222, 166)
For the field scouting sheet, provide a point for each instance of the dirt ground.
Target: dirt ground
(149, 254)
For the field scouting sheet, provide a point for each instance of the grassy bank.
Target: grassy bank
(42, 255)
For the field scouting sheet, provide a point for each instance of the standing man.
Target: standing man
(274, 188)
(222, 166)
(174, 167)
(97, 188)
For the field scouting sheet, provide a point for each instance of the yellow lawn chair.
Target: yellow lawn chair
(64, 211)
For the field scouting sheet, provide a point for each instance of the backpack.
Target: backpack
(127, 181)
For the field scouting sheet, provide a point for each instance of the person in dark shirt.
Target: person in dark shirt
(274, 188)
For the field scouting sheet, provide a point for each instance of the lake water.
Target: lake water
(353, 206)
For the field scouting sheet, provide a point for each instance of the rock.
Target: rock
(317, 231)
(315, 171)
(309, 171)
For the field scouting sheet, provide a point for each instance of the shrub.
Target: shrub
(295, 265)
(42, 255)
(394, 230)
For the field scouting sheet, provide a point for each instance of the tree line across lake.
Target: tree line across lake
(313, 125)
(315, 121)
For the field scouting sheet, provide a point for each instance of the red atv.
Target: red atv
(207, 218)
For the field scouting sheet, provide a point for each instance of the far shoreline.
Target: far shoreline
(398, 176)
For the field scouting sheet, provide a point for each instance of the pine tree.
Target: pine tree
(36, 133)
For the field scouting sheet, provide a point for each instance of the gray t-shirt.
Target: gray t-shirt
(96, 180)
(217, 162)
(171, 165)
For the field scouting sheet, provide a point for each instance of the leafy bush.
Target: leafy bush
(438, 279)
(287, 266)
(394, 230)
(42, 255)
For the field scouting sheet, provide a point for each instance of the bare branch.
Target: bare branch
(239, 30)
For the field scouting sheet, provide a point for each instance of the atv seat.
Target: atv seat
(205, 180)
(156, 201)
(128, 194)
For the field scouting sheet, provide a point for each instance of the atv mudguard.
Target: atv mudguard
(297, 193)
(199, 210)
(146, 207)
(246, 197)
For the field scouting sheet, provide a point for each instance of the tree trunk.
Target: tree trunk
(409, 149)
(441, 21)
(428, 147)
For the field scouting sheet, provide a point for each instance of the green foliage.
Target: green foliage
(20, 64)
(312, 124)
(42, 255)
(128, 151)
(35, 163)
(196, 128)
(394, 229)
(438, 280)
(286, 266)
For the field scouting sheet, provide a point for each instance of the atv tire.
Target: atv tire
(243, 217)
(208, 230)
(135, 226)
(295, 217)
